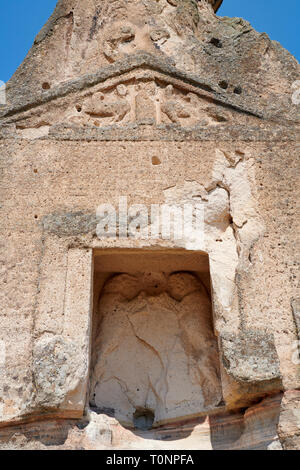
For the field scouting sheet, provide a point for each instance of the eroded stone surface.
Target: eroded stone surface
(252, 356)
(166, 103)
(155, 348)
(56, 374)
(296, 312)
(185, 33)
(251, 429)
(289, 423)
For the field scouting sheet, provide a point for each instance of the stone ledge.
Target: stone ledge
(164, 132)
(139, 60)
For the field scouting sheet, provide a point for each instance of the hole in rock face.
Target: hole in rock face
(143, 419)
(46, 86)
(154, 352)
(156, 161)
(216, 42)
(223, 84)
(238, 90)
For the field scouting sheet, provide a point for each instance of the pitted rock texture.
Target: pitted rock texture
(136, 90)
(57, 375)
(252, 429)
(289, 423)
(251, 356)
(185, 33)
(155, 349)
(109, 88)
(296, 313)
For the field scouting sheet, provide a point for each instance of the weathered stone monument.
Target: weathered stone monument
(114, 334)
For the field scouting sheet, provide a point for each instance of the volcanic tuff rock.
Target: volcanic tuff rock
(167, 326)
(197, 336)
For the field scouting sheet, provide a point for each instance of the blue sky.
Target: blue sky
(21, 20)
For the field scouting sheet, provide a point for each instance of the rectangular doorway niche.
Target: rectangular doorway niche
(154, 354)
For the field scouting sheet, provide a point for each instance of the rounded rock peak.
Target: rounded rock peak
(94, 34)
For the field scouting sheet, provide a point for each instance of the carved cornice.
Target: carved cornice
(133, 63)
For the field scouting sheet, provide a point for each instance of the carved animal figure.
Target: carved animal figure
(174, 108)
(100, 106)
(120, 34)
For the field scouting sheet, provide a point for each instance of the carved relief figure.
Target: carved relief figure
(106, 108)
(155, 351)
(173, 107)
(146, 101)
(188, 109)
(116, 106)
(117, 38)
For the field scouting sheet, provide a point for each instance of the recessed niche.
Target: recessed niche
(143, 419)
(154, 352)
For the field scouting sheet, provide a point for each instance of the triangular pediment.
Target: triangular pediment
(139, 89)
